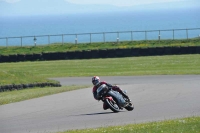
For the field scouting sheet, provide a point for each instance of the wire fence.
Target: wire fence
(118, 36)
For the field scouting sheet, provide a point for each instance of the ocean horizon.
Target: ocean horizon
(98, 23)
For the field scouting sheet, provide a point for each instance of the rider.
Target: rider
(96, 82)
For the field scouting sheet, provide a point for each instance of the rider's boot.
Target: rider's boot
(105, 106)
(116, 88)
(125, 95)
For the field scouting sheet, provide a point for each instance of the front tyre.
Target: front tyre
(112, 105)
(130, 107)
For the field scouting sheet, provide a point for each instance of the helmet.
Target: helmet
(95, 80)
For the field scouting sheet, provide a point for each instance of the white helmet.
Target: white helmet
(95, 80)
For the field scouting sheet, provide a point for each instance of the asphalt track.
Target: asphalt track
(155, 98)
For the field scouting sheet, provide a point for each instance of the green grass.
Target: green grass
(58, 47)
(29, 72)
(11, 76)
(32, 72)
(21, 95)
(184, 125)
(26, 72)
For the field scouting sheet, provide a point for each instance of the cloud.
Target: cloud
(11, 1)
(120, 2)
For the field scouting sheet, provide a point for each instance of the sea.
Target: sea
(99, 27)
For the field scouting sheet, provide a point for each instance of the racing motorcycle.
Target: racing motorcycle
(113, 99)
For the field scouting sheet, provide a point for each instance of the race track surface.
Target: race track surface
(154, 97)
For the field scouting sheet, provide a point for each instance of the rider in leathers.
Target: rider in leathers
(96, 82)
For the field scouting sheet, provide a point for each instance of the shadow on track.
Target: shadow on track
(100, 113)
(93, 114)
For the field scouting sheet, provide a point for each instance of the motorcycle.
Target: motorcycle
(113, 99)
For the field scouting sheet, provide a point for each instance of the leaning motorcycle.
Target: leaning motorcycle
(113, 99)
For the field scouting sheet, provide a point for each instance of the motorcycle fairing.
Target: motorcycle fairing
(120, 100)
(100, 88)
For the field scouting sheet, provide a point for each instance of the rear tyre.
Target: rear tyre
(130, 107)
(112, 105)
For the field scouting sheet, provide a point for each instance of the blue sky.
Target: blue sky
(52, 7)
(119, 3)
(108, 2)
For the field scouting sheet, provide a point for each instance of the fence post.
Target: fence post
(117, 37)
(35, 39)
(21, 41)
(131, 35)
(173, 34)
(187, 33)
(62, 39)
(6, 41)
(104, 38)
(145, 35)
(90, 38)
(76, 39)
(48, 39)
(159, 36)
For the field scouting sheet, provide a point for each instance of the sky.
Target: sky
(42, 7)
(109, 2)
(119, 3)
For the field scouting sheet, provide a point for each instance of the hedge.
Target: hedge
(105, 53)
(26, 86)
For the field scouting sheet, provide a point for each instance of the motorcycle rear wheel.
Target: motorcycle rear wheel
(112, 105)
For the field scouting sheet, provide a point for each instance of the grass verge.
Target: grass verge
(31, 72)
(184, 125)
(59, 47)
(21, 95)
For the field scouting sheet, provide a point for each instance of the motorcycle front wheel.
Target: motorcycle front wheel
(112, 105)
(130, 107)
